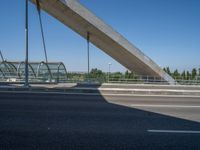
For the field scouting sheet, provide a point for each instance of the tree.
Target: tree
(176, 74)
(126, 74)
(188, 75)
(96, 73)
(194, 73)
(199, 72)
(116, 75)
(168, 71)
(129, 75)
(183, 75)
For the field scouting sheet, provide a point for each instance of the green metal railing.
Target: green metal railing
(56, 73)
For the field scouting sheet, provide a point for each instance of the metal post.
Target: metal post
(109, 64)
(26, 38)
(88, 53)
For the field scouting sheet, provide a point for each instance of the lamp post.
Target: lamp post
(109, 65)
(88, 55)
(26, 38)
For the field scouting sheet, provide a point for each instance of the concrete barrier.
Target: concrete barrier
(107, 89)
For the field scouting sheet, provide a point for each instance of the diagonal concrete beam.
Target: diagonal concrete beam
(81, 20)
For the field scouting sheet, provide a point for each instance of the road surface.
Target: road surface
(84, 122)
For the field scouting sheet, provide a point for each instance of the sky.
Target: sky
(168, 31)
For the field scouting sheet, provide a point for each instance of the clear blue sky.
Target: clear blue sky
(168, 31)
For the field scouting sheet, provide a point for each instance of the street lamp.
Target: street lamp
(26, 55)
(109, 65)
(88, 54)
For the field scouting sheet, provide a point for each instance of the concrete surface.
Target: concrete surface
(108, 89)
(73, 122)
(72, 14)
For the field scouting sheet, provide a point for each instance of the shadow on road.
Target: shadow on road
(82, 122)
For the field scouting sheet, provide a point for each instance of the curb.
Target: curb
(102, 91)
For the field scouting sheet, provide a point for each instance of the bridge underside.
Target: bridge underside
(81, 20)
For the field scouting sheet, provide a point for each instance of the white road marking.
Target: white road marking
(167, 106)
(175, 131)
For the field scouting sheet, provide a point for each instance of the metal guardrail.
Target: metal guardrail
(55, 72)
(80, 77)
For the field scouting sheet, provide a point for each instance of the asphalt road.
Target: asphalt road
(181, 107)
(78, 122)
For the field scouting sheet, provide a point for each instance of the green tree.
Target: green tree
(183, 75)
(165, 69)
(199, 72)
(96, 73)
(126, 74)
(132, 75)
(116, 75)
(176, 74)
(188, 75)
(129, 75)
(194, 73)
(168, 71)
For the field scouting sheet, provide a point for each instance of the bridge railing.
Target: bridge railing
(136, 79)
(79, 77)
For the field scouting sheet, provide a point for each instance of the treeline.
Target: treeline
(96, 73)
(186, 75)
(104, 76)
(100, 75)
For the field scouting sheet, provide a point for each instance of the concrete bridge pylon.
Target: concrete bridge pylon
(74, 15)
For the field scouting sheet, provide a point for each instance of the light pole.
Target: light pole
(88, 54)
(109, 65)
(26, 38)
